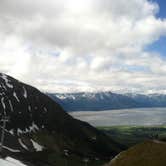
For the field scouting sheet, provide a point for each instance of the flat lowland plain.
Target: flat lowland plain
(132, 135)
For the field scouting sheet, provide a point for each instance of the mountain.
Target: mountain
(93, 101)
(150, 100)
(107, 101)
(149, 153)
(39, 130)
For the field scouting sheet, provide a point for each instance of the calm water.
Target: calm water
(143, 116)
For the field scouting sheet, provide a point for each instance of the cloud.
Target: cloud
(82, 44)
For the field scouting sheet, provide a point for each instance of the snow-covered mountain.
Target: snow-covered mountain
(149, 100)
(37, 124)
(107, 100)
(93, 101)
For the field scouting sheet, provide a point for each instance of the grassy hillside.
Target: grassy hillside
(149, 153)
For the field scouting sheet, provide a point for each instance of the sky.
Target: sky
(85, 45)
(159, 45)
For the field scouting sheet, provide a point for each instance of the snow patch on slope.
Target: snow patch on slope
(10, 162)
(6, 81)
(37, 147)
(3, 104)
(15, 95)
(11, 150)
(25, 92)
(34, 127)
(22, 144)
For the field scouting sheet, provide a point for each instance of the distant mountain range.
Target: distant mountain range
(41, 132)
(107, 101)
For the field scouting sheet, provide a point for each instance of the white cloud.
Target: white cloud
(82, 44)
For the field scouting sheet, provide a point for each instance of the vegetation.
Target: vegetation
(149, 153)
(146, 146)
(132, 135)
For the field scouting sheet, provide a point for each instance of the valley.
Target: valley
(121, 117)
(39, 132)
(132, 135)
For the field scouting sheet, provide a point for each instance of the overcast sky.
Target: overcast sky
(84, 45)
